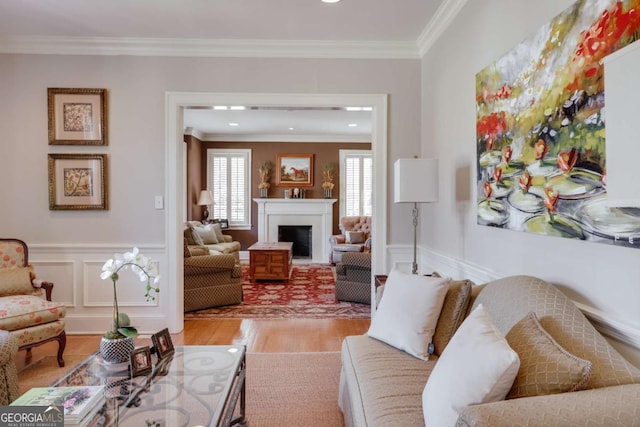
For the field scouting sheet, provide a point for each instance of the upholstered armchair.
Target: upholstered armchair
(31, 319)
(353, 277)
(355, 236)
(211, 280)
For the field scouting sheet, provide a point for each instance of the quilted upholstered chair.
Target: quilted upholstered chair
(30, 318)
(353, 277)
(355, 236)
(8, 372)
(211, 281)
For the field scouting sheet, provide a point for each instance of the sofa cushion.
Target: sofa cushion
(207, 234)
(23, 311)
(346, 247)
(511, 298)
(218, 230)
(453, 312)
(225, 248)
(407, 315)
(15, 281)
(192, 237)
(354, 237)
(478, 366)
(545, 367)
(382, 385)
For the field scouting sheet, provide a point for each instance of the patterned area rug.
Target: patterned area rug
(308, 294)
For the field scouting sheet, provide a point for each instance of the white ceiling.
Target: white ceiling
(172, 26)
(390, 20)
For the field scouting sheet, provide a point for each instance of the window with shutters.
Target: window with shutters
(229, 177)
(356, 182)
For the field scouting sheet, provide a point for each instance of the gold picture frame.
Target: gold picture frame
(77, 116)
(294, 170)
(77, 182)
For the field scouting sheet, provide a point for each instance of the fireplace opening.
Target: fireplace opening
(300, 235)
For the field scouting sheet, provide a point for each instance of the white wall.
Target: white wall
(604, 278)
(71, 246)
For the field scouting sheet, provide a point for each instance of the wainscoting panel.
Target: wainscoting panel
(75, 271)
(61, 274)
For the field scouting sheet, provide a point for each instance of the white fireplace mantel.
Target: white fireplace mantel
(318, 213)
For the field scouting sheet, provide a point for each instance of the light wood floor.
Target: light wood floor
(260, 336)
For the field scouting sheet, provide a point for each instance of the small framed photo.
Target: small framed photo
(162, 343)
(141, 361)
(294, 170)
(77, 116)
(77, 181)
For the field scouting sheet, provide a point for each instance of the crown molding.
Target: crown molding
(443, 17)
(351, 49)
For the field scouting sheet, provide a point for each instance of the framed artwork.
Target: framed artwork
(162, 343)
(78, 182)
(294, 170)
(140, 361)
(77, 116)
(540, 128)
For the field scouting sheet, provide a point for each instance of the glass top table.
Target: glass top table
(196, 386)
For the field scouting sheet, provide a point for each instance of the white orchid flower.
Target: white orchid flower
(145, 268)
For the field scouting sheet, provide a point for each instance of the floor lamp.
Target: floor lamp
(415, 181)
(205, 199)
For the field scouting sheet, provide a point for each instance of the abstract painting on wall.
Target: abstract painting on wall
(540, 130)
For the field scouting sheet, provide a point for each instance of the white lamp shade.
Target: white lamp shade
(415, 180)
(206, 198)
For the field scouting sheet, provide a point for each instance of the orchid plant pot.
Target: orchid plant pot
(116, 350)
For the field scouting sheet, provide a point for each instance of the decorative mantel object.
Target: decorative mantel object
(264, 185)
(117, 344)
(540, 128)
(327, 178)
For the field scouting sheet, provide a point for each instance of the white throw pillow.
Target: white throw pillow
(207, 234)
(477, 366)
(408, 313)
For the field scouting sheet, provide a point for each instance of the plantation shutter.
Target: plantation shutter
(228, 176)
(357, 182)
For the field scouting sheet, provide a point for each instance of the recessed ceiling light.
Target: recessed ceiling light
(330, 1)
(353, 125)
(237, 107)
(291, 128)
(353, 108)
(234, 124)
(220, 107)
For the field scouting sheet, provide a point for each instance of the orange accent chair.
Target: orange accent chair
(31, 319)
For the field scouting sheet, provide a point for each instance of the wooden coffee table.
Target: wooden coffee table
(270, 260)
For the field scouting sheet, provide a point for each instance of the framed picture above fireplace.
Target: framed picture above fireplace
(294, 170)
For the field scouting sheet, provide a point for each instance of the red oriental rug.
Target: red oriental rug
(308, 294)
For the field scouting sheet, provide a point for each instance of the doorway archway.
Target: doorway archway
(175, 102)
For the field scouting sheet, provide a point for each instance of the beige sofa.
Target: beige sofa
(382, 386)
(211, 281)
(197, 247)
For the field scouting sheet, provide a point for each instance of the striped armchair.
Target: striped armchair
(211, 281)
(353, 277)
